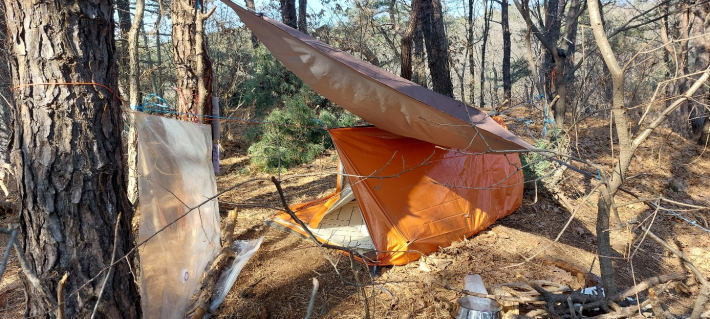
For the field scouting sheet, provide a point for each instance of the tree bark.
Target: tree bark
(437, 47)
(188, 55)
(158, 47)
(134, 101)
(288, 13)
(419, 75)
(701, 42)
(68, 159)
(149, 65)
(302, 25)
(552, 72)
(407, 41)
(552, 36)
(6, 110)
(507, 85)
(254, 39)
(486, 30)
(124, 17)
(471, 62)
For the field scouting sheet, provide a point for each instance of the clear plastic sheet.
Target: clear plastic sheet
(174, 172)
(243, 249)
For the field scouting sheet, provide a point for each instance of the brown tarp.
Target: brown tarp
(377, 96)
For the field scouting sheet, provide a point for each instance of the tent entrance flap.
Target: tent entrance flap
(338, 221)
(344, 225)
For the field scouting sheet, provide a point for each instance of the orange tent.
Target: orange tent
(410, 197)
(403, 196)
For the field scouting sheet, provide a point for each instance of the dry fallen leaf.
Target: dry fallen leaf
(559, 275)
(424, 267)
(440, 263)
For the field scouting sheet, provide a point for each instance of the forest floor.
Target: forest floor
(277, 281)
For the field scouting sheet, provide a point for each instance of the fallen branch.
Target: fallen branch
(623, 312)
(110, 271)
(704, 295)
(313, 299)
(521, 299)
(640, 287)
(209, 280)
(60, 297)
(587, 302)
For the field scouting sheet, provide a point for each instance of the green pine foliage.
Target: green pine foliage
(270, 81)
(536, 165)
(296, 117)
(296, 133)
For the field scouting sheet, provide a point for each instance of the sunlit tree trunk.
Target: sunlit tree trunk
(192, 63)
(134, 101)
(68, 158)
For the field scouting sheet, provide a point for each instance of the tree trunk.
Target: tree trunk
(158, 48)
(407, 41)
(437, 47)
(150, 66)
(419, 75)
(134, 77)
(552, 71)
(696, 110)
(6, 110)
(604, 207)
(288, 12)
(68, 159)
(6, 124)
(507, 85)
(681, 125)
(134, 101)
(552, 36)
(560, 108)
(704, 139)
(471, 62)
(124, 17)
(486, 30)
(188, 55)
(302, 25)
(254, 39)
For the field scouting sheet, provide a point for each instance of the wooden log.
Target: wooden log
(209, 281)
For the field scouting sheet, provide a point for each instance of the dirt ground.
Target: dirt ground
(277, 281)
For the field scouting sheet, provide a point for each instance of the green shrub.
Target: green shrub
(270, 81)
(296, 134)
(536, 165)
